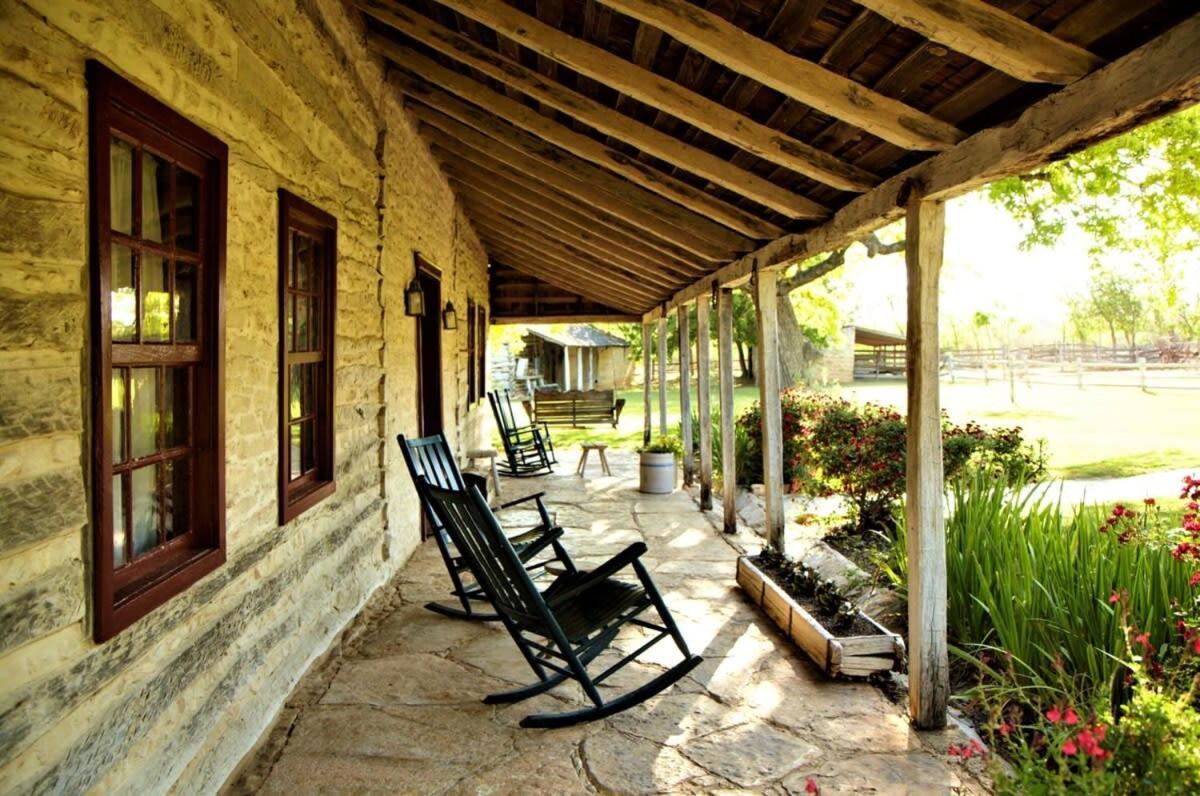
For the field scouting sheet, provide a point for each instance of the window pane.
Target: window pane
(118, 520)
(118, 415)
(156, 181)
(144, 413)
(314, 319)
(185, 303)
(314, 266)
(301, 323)
(295, 391)
(308, 445)
(155, 298)
(145, 509)
(301, 261)
(177, 498)
(122, 295)
(120, 171)
(294, 470)
(289, 302)
(187, 209)
(175, 406)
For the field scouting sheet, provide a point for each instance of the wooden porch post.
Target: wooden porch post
(725, 364)
(685, 397)
(928, 682)
(662, 374)
(579, 368)
(646, 373)
(703, 405)
(766, 311)
(566, 374)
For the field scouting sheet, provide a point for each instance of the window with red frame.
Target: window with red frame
(158, 185)
(307, 307)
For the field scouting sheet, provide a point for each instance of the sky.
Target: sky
(985, 270)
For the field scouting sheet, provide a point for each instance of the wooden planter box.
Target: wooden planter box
(856, 656)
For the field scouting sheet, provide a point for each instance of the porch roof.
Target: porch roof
(580, 336)
(635, 152)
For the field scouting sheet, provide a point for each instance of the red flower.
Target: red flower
(1069, 748)
(1071, 717)
(1054, 715)
(1118, 510)
(1149, 501)
(1114, 598)
(1195, 579)
(810, 786)
(1005, 728)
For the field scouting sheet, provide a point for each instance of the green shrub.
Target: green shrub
(1157, 747)
(666, 443)
(831, 446)
(741, 447)
(1026, 579)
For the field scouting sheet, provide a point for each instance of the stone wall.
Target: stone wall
(179, 697)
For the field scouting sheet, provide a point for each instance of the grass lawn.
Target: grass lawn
(1093, 433)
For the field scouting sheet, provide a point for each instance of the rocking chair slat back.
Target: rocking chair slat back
(473, 527)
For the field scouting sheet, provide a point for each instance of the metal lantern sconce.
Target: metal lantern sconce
(449, 316)
(414, 298)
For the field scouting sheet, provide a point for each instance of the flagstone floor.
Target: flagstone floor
(396, 709)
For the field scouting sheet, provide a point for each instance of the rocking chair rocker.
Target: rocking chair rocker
(528, 450)
(430, 461)
(560, 630)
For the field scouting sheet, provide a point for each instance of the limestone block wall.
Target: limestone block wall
(179, 697)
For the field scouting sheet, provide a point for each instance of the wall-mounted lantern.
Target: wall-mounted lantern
(414, 298)
(449, 316)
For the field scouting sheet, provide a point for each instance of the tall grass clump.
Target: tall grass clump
(1029, 580)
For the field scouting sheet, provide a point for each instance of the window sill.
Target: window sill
(293, 505)
(177, 573)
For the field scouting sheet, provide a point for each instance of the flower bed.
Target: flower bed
(839, 638)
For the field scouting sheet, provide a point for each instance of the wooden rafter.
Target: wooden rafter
(823, 168)
(484, 172)
(802, 80)
(990, 35)
(563, 273)
(488, 194)
(1157, 78)
(582, 245)
(585, 181)
(641, 84)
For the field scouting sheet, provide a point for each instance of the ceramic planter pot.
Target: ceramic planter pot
(657, 473)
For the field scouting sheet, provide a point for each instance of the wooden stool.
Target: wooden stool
(486, 453)
(588, 447)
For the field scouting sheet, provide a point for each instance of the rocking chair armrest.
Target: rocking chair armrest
(476, 480)
(604, 571)
(547, 520)
(535, 496)
(549, 537)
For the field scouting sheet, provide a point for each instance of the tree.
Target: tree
(1139, 195)
(1113, 299)
(797, 339)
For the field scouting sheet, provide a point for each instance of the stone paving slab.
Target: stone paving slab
(397, 709)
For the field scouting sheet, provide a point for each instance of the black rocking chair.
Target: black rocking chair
(528, 450)
(562, 629)
(430, 461)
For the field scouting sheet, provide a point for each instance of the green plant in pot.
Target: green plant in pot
(659, 464)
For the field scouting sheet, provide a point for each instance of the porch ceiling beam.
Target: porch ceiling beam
(554, 273)
(659, 92)
(490, 177)
(594, 186)
(501, 320)
(802, 80)
(565, 277)
(586, 248)
(580, 263)
(585, 241)
(1160, 77)
(481, 189)
(644, 137)
(991, 36)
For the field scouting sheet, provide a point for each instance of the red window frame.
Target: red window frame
(315, 355)
(123, 594)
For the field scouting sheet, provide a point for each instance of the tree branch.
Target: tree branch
(836, 259)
